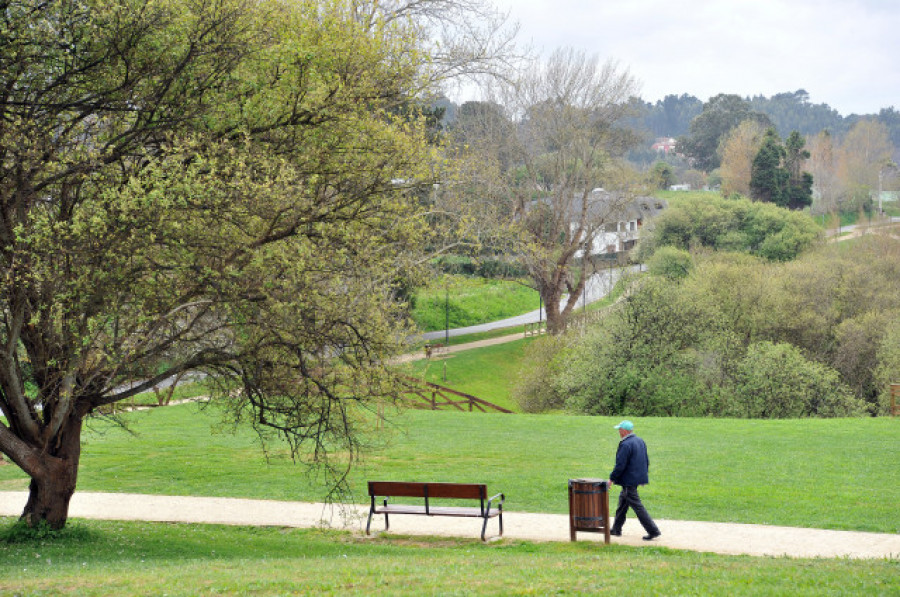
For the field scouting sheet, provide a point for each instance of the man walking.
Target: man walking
(632, 469)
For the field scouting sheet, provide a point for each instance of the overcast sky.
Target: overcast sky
(844, 53)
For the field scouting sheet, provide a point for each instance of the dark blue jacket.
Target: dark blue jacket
(632, 463)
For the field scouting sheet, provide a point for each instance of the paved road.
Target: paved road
(852, 227)
(598, 286)
(724, 538)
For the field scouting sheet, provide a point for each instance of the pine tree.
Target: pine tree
(768, 179)
(776, 175)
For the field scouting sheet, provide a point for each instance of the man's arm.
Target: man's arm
(622, 456)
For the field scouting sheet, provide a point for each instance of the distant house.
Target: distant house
(664, 145)
(623, 221)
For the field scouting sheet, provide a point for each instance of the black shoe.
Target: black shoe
(651, 536)
(616, 533)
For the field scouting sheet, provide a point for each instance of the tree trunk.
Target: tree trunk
(53, 479)
(556, 322)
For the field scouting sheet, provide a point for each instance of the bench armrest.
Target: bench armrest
(500, 505)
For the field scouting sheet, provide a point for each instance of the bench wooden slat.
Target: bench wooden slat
(473, 491)
(395, 488)
(435, 511)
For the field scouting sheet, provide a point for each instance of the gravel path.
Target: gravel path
(724, 538)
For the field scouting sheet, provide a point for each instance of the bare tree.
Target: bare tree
(738, 152)
(556, 159)
(823, 166)
(460, 39)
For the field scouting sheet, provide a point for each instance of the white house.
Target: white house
(623, 220)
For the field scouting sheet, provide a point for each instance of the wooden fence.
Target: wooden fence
(424, 394)
(535, 329)
(895, 398)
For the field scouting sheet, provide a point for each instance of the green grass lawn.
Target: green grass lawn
(487, 373)
(825, 473)
(470, 301)
(95, 558)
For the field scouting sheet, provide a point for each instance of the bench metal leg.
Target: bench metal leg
(369, 522)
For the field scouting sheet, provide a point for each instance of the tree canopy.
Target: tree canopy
(711, 127)
(741, 225)
(212, 187)
(776, 173)
(544, 149)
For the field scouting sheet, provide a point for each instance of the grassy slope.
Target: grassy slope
(472, 301)
(837, 474)
(162, 559)
(488, 373)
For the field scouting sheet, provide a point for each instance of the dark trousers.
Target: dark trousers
(630, 498)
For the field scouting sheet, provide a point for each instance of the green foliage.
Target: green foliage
(534, 390)
(777, 381)
(662, 175)
(767, 177)
(776, 175)
(711, 127)
(711, 221)
(743, 337)
(670, 262)
(204, 187)
(668, 117)
(22, 532)
(792, 111)
(887, 370)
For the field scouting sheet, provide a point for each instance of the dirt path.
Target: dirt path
(420, 354)
(724, 538)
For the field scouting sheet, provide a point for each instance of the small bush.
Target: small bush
(775, 381)
(535, 390)
(671, 263)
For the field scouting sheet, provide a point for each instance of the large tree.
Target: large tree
(776, 174)
(711, 127)
(822, 165)
(863, 153)
(559, 148)
(738, 151)
(205, 187)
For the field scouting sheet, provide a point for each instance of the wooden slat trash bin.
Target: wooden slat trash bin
(589, 507)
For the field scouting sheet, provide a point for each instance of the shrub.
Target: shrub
(535, 390)
(887, 370)
(714, 222)
(775, 381)
(671, 263)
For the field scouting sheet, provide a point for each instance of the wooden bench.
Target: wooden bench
(429, 491)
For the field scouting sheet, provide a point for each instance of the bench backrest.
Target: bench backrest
(432, 490)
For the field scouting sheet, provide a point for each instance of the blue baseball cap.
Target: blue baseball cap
(626, 425)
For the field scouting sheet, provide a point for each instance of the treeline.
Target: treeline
(789, 111)
(729, 334)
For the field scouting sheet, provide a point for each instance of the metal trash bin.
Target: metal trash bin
(589, 507)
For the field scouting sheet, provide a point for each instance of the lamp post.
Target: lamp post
(840, 223)
(888, 165)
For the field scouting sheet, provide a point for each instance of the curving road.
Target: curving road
(598, 286)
